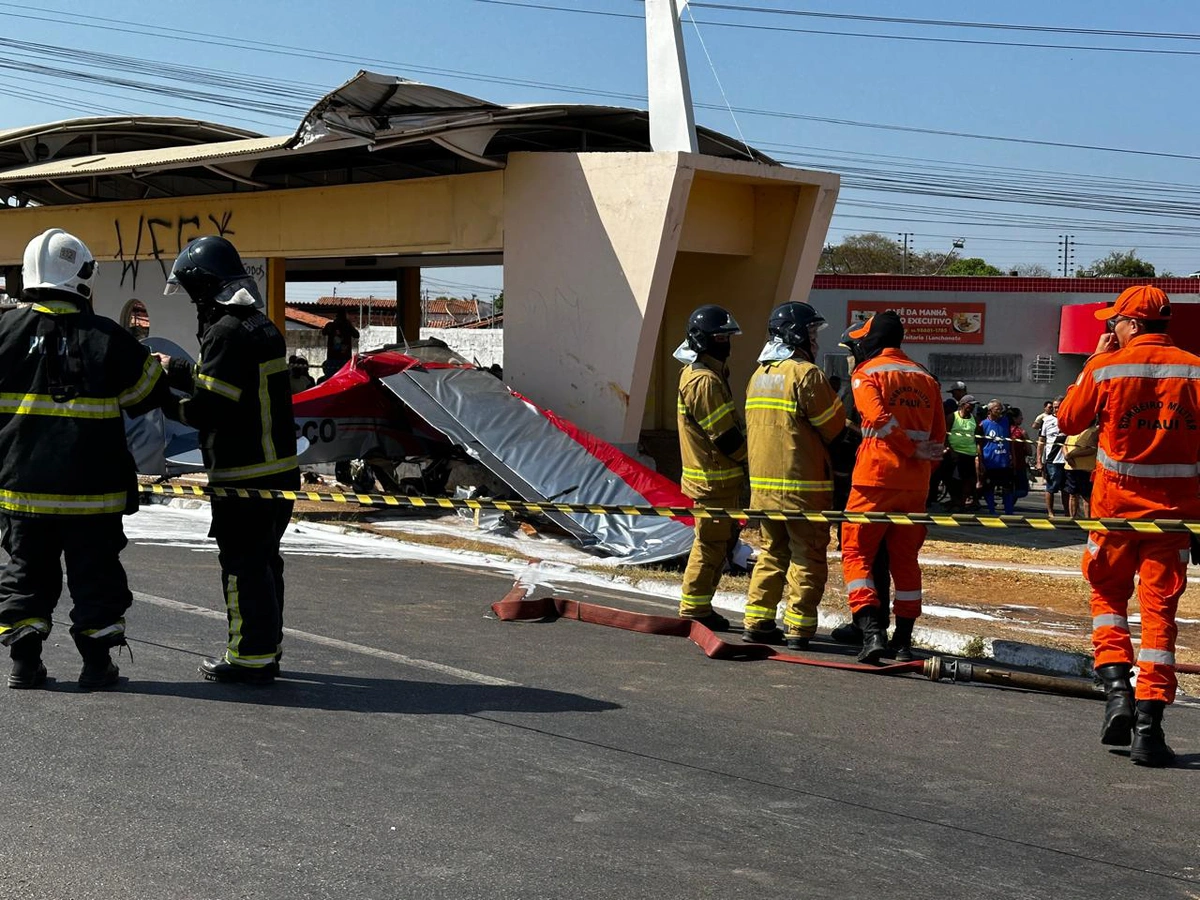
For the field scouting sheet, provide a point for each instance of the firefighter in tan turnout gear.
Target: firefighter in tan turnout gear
(712, 444)
(792, 416)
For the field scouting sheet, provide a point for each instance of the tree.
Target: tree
(1033, 270)
(863, 254)
(877, 254)
(1118, 265)
(498, 303)
(971, 266)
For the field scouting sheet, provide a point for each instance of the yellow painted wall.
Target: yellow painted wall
(459, 213)
(747, 285)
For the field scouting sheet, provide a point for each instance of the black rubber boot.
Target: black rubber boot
(714, 621)
(874, 644)
(900, 646)
(1118, 711)
(795, 642)
(772, 635)
(1149, 744)
(99, 672)
(27, 668)
(220, 669)
(847, 633)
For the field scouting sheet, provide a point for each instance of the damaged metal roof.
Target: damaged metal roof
(373, 128)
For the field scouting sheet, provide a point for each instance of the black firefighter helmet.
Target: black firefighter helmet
(706, 322)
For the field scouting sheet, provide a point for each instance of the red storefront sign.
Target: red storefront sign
(928, 323)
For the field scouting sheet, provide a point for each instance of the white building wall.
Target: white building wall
(172, 317)
(484, 346)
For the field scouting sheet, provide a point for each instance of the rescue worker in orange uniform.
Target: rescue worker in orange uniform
(792, 416)
(1146, 392)
(903, 428)
(712, 444)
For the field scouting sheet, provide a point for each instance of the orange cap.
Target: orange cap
(1143, 301)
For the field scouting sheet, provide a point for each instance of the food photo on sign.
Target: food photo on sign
(928, 323)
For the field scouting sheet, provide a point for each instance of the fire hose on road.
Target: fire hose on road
(517, 606)
(937, 668)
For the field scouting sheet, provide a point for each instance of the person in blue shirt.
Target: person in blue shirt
(995, 459)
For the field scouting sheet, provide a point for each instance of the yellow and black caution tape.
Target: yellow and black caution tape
(831, 517)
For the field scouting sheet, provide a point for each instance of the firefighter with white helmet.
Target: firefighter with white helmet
(66, 474)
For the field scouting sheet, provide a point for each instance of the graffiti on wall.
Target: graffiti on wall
(163, 240)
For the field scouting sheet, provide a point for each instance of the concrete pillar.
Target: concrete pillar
(589, 243)
(408, 304)
(672, 119)
(276, 296)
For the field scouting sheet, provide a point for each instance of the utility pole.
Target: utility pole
(905, 239)
(1066, 254)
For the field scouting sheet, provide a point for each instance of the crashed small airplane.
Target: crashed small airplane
(425, 402)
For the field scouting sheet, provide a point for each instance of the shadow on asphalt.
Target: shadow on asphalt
(344, 693)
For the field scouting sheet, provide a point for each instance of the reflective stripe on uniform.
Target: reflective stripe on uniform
(249, 662)
(1161, 657)
(910, 595)
(151, 372)
(55, 307)
(45, 405)
(270, 467)
(1110, 620)
(709, 476)
(859, 583)
(1147, 470)
(1092, 547)
(234, 607)
(265, 371)
(41, 626)
(897, 367)
(1145, 370)
(919, 435)
(798, 621)
(218, 387)
(824, 417)
(62, 504)
(716, 415)
(696, 600)
(788, 484)
(888, 427)
(770, 403)
(117, 627)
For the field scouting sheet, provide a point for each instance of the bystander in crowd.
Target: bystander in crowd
(1051, 458)
(1080, 453)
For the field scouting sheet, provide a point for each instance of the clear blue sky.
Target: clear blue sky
(1113, 99)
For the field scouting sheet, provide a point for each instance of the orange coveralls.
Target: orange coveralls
(1147, 396)
(901, 409)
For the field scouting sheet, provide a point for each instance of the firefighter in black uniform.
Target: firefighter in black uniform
(66, 474)
(240, 399)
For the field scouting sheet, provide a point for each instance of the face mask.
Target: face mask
(775, 350)
(685, 354)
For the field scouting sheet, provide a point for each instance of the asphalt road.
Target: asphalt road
(418, 748)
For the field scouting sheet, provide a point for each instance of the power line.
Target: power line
(1158, 35)
(856, 34)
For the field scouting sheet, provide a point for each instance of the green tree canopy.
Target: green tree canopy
(1118, 265)
(874, 253)
(971, 266)
(863, 254)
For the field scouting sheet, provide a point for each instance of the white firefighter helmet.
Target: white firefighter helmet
(57, 260)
